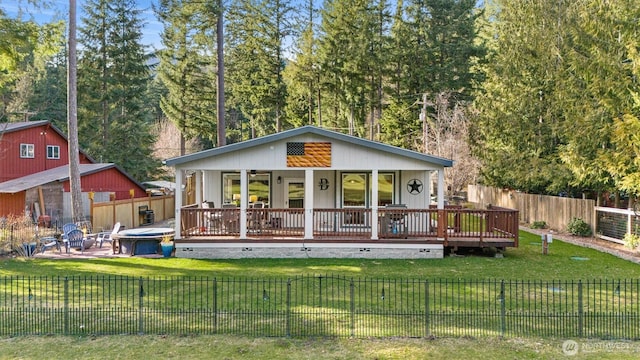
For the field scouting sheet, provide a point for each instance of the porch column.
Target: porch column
(441, 188)
(198, 176)
(374, 204)
(243, 203)
(178, 204)
(308, 203)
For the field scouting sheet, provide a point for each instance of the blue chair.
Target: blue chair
(49, 242)
(75, 240)
(66, 228)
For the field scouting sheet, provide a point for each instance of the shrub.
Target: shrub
(631, 241)
(578, 227)
(539, 225)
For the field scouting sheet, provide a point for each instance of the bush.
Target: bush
(631, 241)
(578, 227)
(539, 225)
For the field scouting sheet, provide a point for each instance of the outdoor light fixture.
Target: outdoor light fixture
(253, 173)
(279, 179)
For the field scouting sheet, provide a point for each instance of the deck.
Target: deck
(450, 227)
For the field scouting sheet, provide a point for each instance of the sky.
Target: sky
(60, 10)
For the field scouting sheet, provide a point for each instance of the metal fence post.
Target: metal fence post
(503, 310)
(353, 307)
(66, 305)
(288, 319)
(580, 310)
(426, 308)
(140, 295)
(215, 305)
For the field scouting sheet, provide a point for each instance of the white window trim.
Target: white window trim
(27, 151)
(55, 150)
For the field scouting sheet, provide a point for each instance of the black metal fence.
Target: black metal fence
(325, 305)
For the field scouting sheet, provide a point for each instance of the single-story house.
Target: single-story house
(313, 192)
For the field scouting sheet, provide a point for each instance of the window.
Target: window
(259, 188)
(354, 185)
(353, 190)
(385, 189)
(53, 152)
(27, 151)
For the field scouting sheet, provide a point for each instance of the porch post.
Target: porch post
(441, 188)
(374, 204)
(308, 204)
(177, 197)
(243, 203)
(198, 175)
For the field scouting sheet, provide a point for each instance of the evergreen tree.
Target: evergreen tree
(602, 88)
(257, 35)
(519, 127)
(302, 76)
(114, 122)
(49, 99)
(451, 49)
(25, 49)
(188, 67)
(345, 50)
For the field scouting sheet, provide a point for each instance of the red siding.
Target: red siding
(110, 180)
(13, 166)
(12, 203)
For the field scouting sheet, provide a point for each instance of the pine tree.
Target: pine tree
(25, 50)
(519, 127)
(187, 67)
(257, 34)
(302, 76)
(114, 122)
(350, 34)
(602, 95)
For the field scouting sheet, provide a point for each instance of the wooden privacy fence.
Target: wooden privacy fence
(129, 213)
(555, 211)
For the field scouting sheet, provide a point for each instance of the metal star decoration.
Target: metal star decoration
(414, 186)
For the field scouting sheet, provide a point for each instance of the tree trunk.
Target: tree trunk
(72, 119)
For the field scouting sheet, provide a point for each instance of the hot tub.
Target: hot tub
(141, 241)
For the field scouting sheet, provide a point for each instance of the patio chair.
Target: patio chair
(75, 239)
(49, 242)
(107, 236)
(66, 228)
(211, 219)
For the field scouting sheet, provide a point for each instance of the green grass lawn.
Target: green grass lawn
(524, 263)
(234, 347)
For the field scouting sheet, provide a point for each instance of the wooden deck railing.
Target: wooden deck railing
(355, 223)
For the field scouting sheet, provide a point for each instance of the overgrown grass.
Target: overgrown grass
(524, 263)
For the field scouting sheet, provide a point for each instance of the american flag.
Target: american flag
(308, 154)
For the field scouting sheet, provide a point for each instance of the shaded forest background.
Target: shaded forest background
(539, 96)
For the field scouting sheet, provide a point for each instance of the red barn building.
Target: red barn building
(34, 172)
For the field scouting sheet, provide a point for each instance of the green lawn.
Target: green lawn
(524, 263)
(234, 347)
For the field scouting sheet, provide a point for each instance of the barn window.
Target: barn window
(53, 152)
(27, 151)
